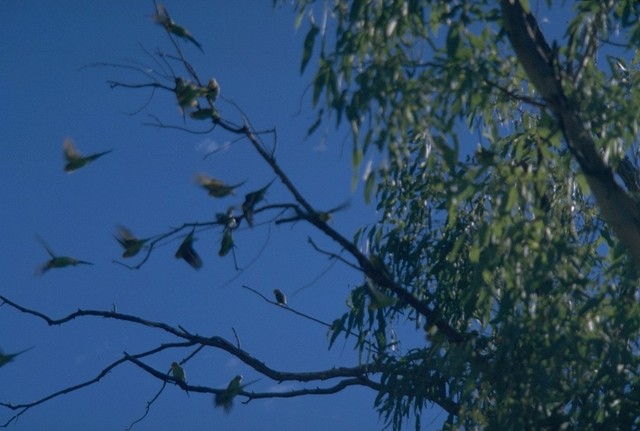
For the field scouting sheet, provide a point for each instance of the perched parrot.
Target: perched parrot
(187, 252)
(214, 91)
(162, 17)
(178, 372)
(227, 219)
(9, 357)
(225, 398)
(251, 200)
(58, 261)
(187, 93)
(281, 298)
(216, 188)
(205, 114)
(129, 242)
(74, 159)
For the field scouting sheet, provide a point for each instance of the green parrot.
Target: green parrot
(205, 114)
(214, 90)
(187, 252)
(251, 200)
(74, 159)
(178, 372)
(187, 94)
(216, 188)
(162, 17)
(225, 398)
(227, 219)
(281, 298)
(227, 243)
(129, 242)
(58, 261)
(9, 357)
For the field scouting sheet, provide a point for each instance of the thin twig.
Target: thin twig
(306, 316)
(26, 406)
(315, 279)
(332, 255)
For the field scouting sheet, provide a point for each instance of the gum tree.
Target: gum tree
(503, 166)
(517, 260)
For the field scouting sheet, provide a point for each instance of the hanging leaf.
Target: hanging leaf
(368, 186)
(309, 41)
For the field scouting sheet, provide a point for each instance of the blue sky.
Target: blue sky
(146, 184)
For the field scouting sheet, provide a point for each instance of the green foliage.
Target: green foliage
(503, 243)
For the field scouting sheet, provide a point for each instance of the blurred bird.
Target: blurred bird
(178, 372)
(214, 90)
(74, 159)
(226, 244)
(251, 200)
(162, 17)
(58, 261)
(281, 298)
(187, 93)
(216, 188)
(225, 399)
(129, 242)
(227, 219)
(187, 252)
(205, 114)
(5, 358)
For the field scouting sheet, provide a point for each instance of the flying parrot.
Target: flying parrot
(281, 298)
(227, 243)
(187, 252)
(225, 398)
(178, 372)
(9, 357)
(251, 200)
(129, 242)
(58, 261)
(216, 188)
(162, 17)
(74, 159)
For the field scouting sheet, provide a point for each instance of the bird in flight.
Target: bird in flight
(74, 159)
(162, 17)
(58, 261)
(188, 253)
(5, 358)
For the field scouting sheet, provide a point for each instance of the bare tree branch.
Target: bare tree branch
(288, 308)
(331, 255)
(148, 407)
(26, 406)
(355, 375)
